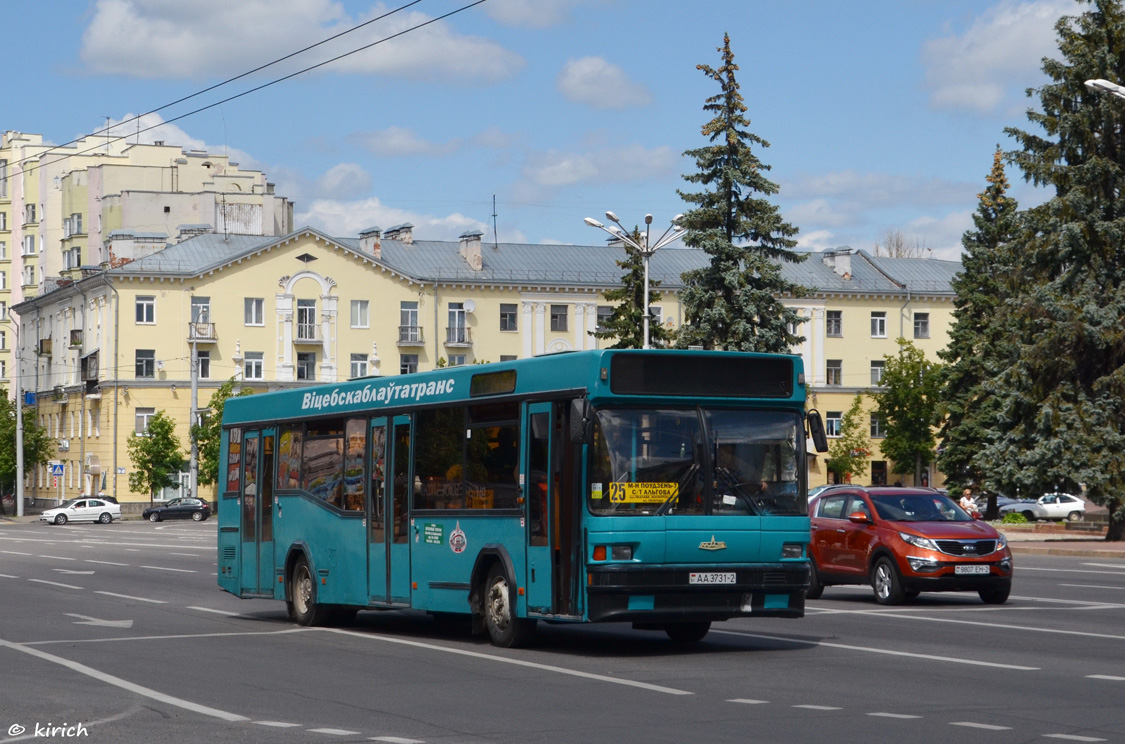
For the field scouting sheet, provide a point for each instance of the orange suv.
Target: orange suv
(904, 541)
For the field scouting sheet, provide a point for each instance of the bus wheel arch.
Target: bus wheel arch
(301, 603)
(493, 598)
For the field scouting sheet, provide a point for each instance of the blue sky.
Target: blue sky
(881, 115)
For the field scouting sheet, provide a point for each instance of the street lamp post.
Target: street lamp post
(1104, 86)
(646, 248)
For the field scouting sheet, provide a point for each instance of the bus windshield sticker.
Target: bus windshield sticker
(457, 540)
(642, 493)
(596, 491)
(435, 533)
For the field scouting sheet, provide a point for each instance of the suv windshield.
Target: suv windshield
(696, 461)
(918, 507)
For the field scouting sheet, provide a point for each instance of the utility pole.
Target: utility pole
(19, 427)
(193, 464)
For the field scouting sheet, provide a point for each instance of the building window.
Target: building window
(508, 357)
(146, 363)
(3, 369)
(408, 364)
(359, 365)
(508, 317)
(28, 275)
(878, 427)
(254, 311)
(921, 325)
(833, 421)
(306, 320)
(203, 359)
(143, 416)
(558, 317)
(146, 309)
(200, 309)
(28, 214)
(456, 360)
(408, 329)
(3, 246)
(877, 368)
(306, 365)
(254, 365)
(3, 339)
(605, 312)
(3, 280)
(456, 333)
(834, 372)
(878, 325)
(359, 314)
(3, 310)
(834, 323)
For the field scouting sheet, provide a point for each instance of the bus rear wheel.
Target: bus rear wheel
(303, 607)
(687, 632)
(504, 628)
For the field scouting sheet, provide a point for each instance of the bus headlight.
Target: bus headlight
(793, 550)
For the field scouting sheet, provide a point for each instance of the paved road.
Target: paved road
(121, 630)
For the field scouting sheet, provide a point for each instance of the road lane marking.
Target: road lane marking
(178, 637)
(1103, 565)
(988, 726)
(334, 732)
(1072, 570)
(87, 620)
(889, 652)
(57, 557)
(892, 715)
(817, 707)
(72, 572)
(187, 555)
(277, 724)
(55, 583)
(505, 660)
(128, 596)
(8, 576)
(106, 563)
(13, 552)
(1109, 677)
(163, 568)
(1071, 737)
(1093, 586)
(217, 612)
(124, 684)
(396, 740)
(746, 701)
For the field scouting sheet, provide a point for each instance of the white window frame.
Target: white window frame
(141, 419)
(254, 311)
(833, 422)
(921, 325)
(148, 303)
(358, 365)
(878, 324)
(361, 317)
(834, 323)
(254, 366)
(878, 368)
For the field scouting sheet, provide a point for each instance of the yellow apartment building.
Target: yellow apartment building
(107, 349)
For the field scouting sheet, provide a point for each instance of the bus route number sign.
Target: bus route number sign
(641, 493)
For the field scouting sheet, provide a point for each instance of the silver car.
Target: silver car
(1048, 506)
(82, 510)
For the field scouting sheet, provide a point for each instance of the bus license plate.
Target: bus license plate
(971, 569)
(712, 578)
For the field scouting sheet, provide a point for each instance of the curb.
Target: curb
(1115, 553)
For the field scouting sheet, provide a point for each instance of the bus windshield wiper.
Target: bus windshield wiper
(681, 484)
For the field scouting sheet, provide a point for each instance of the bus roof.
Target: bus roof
(598, 374)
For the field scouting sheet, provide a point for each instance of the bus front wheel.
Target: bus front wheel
(504, 627)
(303, 607)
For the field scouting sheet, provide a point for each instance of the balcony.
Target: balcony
(458, 336)
(203, 333)
(410, 336)
(308, 334)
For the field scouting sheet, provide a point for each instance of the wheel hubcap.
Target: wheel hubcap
(498, 613)
(882, 582)
(302, 591)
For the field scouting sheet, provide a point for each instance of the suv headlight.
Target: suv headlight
(1002, 542)
(919, 542)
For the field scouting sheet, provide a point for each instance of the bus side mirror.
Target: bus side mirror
(579, 420)
(816, 430)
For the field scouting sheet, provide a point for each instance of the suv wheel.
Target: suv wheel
(886, 583)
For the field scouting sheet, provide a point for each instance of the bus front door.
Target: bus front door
(401, 490)
(257, 513)
(539, 489)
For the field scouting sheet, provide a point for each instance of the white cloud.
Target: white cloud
(996, 58)
(857, 190)
(345, 179)
(941, 235)
(165, 39)
(401, 142)
(607, 165)
(151, 128)
(601, 85)
(530, 13)
(342, 218)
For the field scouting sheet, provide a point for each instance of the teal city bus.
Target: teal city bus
(662, 488)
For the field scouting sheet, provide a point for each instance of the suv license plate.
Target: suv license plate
(970, 569)
(712, 578)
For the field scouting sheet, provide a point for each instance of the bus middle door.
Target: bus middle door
(538, 489)
(401, 492)
(257, 514)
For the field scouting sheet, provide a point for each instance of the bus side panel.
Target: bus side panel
(229, 558)
(444, 550)
(338, 545)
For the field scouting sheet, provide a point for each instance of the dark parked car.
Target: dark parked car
(903, 541)
(182, 508)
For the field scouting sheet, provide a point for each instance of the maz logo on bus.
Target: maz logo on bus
(384, 394)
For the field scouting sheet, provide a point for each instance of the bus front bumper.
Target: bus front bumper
(640, 593)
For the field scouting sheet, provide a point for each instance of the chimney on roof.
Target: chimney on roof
(369, 242)
(470, 249)
(403, 232)
(840, 261)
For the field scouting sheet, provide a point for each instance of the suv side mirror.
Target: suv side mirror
(859, 518)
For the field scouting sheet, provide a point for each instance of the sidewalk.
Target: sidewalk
(1057, 540)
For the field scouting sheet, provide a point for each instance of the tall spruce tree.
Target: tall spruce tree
(979, 348)
(1063, 397)
(626, 323)
(735, 303)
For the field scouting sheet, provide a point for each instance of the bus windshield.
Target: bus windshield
(693, 461)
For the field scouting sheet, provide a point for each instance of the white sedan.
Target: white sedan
(1048, 506)
(82, 510)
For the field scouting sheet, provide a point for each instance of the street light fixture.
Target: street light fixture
(1104, 86)
(646, 248)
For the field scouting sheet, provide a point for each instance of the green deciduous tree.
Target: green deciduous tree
(847, 454)
(908, 404)
(1063, 396)
(156, 456)
(207, 434)
(735, 303)
(37, 446)
(626, 323)
(979, 346)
